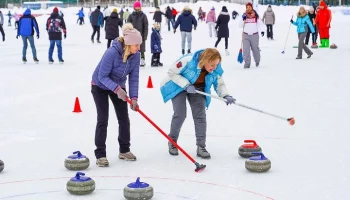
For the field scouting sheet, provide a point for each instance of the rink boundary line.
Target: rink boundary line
(102, 189)
(149, 177)
(234, 136)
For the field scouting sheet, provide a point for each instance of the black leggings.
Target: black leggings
(109, 43)
(218, 41)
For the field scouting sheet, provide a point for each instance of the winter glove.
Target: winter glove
(37, 37)
(291, 21)
(121, 93)
(65, 35)
(134, 104)
(244, 17)
(262, 34)
(191, 89)
(229, 100)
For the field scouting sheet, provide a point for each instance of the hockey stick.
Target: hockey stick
(198, 166)
(290, 120)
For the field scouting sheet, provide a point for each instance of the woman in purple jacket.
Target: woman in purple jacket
(120, 60)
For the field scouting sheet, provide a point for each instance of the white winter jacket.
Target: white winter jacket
(252, 26)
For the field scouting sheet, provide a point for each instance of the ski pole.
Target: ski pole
(198, 166)
(287, 37)
(290, 120)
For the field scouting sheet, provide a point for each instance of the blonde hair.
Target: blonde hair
(208, 55)
(126, 48)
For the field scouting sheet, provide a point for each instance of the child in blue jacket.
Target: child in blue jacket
(194, 72)
(156, 48)
(303, 22)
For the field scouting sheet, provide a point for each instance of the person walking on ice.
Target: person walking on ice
(251, 25)
(194, 72)
(303, 22)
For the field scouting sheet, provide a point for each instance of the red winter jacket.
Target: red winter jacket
(323, 17)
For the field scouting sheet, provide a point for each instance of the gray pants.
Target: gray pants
(251, 42)
(185, 35)
(197, 103)
(301, 45)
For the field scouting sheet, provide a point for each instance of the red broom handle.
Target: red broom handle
(161, 131)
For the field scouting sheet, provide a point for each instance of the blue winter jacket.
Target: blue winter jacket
(96, 18)
(27, 23)
(302, 22)
(111, 72)
(81, 13)
(155, 42)
(191, 72)
(186, 20)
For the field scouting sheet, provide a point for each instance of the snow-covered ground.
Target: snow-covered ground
(38, 129)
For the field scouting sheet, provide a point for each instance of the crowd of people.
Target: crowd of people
(192, 72)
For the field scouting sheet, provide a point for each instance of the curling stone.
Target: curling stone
(333, 46)
(2, 165)
(258, 163)
(314, 46)
(138, 191)
(246, 149)
(77, 161)
(80, 184)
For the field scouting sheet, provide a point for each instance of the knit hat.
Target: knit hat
(115, 10)
(137, 4)
(131, 35)
(311, 8)
(249, 4)
(55, 10)
(224, 9)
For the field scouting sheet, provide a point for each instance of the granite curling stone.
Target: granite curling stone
(80, 184)
(2, 165)
(333, 46)
(138, 191)
(258, 163)
(245, 151)
(77, 162)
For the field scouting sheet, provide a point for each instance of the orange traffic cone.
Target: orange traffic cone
(77, 108)
(149, 84)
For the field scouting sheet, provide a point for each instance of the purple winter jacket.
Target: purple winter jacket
(111, 72)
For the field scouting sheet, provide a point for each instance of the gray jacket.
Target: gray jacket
(269, 16)
(1, 18)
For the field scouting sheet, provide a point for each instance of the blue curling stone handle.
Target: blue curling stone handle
(138, 184)
(80, 177)
(77, 155)
(260, 156)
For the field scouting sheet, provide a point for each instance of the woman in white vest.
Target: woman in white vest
(251, 25)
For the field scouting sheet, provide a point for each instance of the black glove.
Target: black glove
(37, 37)
(65, 35)
(262, 34)
(291, 21)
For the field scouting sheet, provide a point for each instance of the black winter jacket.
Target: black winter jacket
(140, 22)
(112, 26)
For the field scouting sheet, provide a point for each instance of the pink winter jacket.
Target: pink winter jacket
(211, 16)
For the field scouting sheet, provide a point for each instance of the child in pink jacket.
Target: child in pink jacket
(211, 19)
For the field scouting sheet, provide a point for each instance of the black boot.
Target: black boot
(183, 51)
(188, 50)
